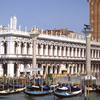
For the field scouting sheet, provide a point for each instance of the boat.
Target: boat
(63, 88)
(32, 87)
(7, 92)
(90, 89)
(53, 86)
(67, 94)
(45, 87)
(3, 87)
(98, 89)
(38, 93)
(17, 86)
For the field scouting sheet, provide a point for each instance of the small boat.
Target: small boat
(90, 89)
(3, 87)
(45, 87)
(32, 87)
(53, 86)
(75, 88)
(63, 88)
(7, 92)
(67, 94)
(38, 93)
(17, 86)
(98, 89)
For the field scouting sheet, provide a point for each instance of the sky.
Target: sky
(46, 14)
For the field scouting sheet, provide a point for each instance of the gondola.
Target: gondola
(7, 92)
(17, 86)
(45, 87)
(63, 88)
(3, 87)
(53, 86)
(33, 87)
(98, 89)
(67, 94)
(38, 93)
(90, 89)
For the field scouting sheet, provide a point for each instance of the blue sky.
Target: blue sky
(46, 14)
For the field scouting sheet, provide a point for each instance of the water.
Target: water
(22, 96)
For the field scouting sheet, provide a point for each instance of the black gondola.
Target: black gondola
(67, 94)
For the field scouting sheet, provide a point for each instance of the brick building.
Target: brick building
(95, 18)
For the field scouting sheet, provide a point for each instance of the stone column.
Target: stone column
(75, 52)
(72, 52)
(41, 72)
(68, 52)
(51, 51)
(41, 49)
(1, 70)
(10, 69)
(21, 67)
(51, 69)
(19, 47)
(64, 51)
(60, 51)
(46, 50)
(55, 50)
(60, 69)
(95, 53)
(72, 70)
(25, 48)
(30, 49)
(10, 47)
(88, 46)
(79, 52)
(55, 70)
(83, 68)
(98, 54)
(76, 69)
(92, 68)
(92, 52)
(83, 52)
(46, 69)
(1, 47)
(79, 68)
(37, 49)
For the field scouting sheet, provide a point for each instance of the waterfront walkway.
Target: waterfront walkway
(73, 80)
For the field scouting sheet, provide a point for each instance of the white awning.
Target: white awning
(33, 69)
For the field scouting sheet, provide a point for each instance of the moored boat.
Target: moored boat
(32, 87)
(67, 94)
(3, 87)
(7, 92)
(98, 89)
(17, 86)
(38, 93)
(63, 88)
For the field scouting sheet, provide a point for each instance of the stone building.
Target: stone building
(57, 51)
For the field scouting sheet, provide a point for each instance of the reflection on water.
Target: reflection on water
(22, 96)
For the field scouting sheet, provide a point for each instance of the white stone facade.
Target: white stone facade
(55, 54)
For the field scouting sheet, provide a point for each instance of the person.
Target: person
(14, 75)
(96, 75)
(68, 77)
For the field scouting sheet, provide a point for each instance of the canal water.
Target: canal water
(22, 96)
